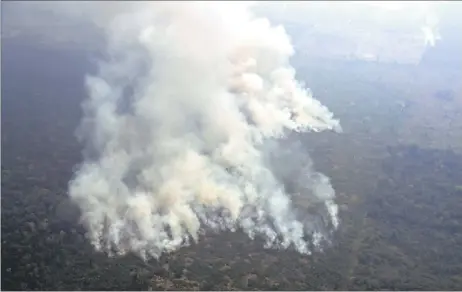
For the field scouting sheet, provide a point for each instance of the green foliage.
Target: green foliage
(401, 227)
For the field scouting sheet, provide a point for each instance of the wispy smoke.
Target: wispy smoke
(181, 129)
(430, 30)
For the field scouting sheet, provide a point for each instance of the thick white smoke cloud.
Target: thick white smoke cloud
(178, 127)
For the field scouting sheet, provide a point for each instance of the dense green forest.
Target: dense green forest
(398, 182)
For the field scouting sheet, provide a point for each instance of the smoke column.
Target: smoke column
(178, 128)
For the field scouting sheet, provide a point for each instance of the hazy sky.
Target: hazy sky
(387, 14)
(419, 18)
(356, 21)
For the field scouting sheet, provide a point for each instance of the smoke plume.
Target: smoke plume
(181, 131)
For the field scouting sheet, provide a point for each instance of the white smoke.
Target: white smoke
(430, 30)
(176, 129)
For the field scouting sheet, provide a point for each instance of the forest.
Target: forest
(398, 183)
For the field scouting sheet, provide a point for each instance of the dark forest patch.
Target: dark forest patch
(414, 223)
